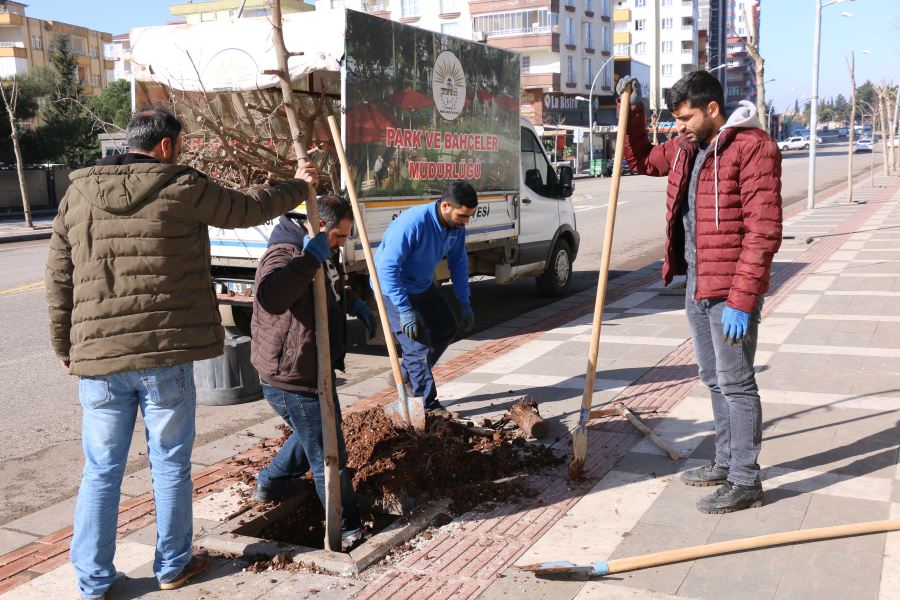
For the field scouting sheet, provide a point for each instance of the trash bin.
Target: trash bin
(596, 167)
(229, 378)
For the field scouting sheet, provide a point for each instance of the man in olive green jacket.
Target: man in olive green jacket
(131, 307)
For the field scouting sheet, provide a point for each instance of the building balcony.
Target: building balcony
(541, 80)
(621, 15)
(13, 50)
(11, 19)
(480, 7)
(523, 39)
(621, 37)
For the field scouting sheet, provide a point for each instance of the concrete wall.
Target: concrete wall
(45, 189)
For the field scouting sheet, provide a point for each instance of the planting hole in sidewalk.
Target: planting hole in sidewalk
(405, 480)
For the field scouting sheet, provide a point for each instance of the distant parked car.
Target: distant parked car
(626, 170)
(794, 143)
(862, 145)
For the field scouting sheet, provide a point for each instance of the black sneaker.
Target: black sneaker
(436, 410)
(711, 474)
(732, 497)
(277, 493)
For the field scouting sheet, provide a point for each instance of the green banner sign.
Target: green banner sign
(423, 108)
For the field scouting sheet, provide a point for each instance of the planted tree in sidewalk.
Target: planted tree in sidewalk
(759, 63)
(9, 90)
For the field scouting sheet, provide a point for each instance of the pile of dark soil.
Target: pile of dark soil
(447, 460)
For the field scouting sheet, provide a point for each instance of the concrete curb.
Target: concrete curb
(26, 237)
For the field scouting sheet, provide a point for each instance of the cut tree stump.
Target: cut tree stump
(524, 413)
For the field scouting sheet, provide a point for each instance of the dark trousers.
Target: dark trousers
(729, 374)
(437, 328)
(303, 449)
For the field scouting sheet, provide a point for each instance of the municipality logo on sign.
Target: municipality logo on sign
(449, 85)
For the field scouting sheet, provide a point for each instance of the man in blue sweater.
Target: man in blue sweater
(419, 313)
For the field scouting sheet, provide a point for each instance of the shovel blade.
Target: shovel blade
(414, 406)
(564, 568)
(559, 567)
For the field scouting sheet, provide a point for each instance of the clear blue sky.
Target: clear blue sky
(786, 42)
(786, 38)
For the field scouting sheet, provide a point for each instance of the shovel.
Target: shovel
(406, 411)
(564, 568)
(579, 436)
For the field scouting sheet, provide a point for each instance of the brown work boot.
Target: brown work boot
(198, 564)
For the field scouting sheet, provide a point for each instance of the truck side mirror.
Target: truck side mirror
(566, 175)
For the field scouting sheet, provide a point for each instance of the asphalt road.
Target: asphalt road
(40, 454)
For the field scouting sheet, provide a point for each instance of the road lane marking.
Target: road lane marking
(605, 205)
(22, 288)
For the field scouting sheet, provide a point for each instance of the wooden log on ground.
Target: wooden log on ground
(657, 441)
(524, 413)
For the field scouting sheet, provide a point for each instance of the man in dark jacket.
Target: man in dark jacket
(284, 349)
(723, 227)
(131, 307)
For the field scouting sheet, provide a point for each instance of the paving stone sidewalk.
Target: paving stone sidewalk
(14, 230)
(827, 367)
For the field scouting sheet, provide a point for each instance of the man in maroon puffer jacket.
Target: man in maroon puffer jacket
(723, 226)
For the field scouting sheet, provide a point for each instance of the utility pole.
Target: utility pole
(851, 64)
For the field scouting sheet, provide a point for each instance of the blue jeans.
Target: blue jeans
(166, 398)
(729, 374)
(437, 328)
(303, 450)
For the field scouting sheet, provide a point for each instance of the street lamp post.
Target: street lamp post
(813, 112)
(590, 101)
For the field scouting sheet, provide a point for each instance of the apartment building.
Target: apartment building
(202, 11)
(661, 33)
(25, 44)
(740, 78)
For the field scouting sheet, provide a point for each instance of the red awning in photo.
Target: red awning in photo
(507, 102)
(410, 99)
(366, 123)
(484, 95)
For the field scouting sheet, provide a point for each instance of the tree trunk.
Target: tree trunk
(851, 64)
(10, 105)
(882, 115)
(325, 389)
(759, 64)
(872, 160)
(759, 67)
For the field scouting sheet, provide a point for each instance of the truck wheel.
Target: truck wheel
(555, 280)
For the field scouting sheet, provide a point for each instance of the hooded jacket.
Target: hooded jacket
(128, 273)
(738, 211)
(283, 327)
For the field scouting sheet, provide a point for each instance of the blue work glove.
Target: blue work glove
(734, 324)
(409, 324)
(361, 311)
(317, 246)
(635, 97)
(467, 318)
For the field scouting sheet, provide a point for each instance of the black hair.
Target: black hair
(147, 128)
(699, 88)
(333, 209)
(460, 193)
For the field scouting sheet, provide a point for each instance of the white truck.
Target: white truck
(417, 109)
